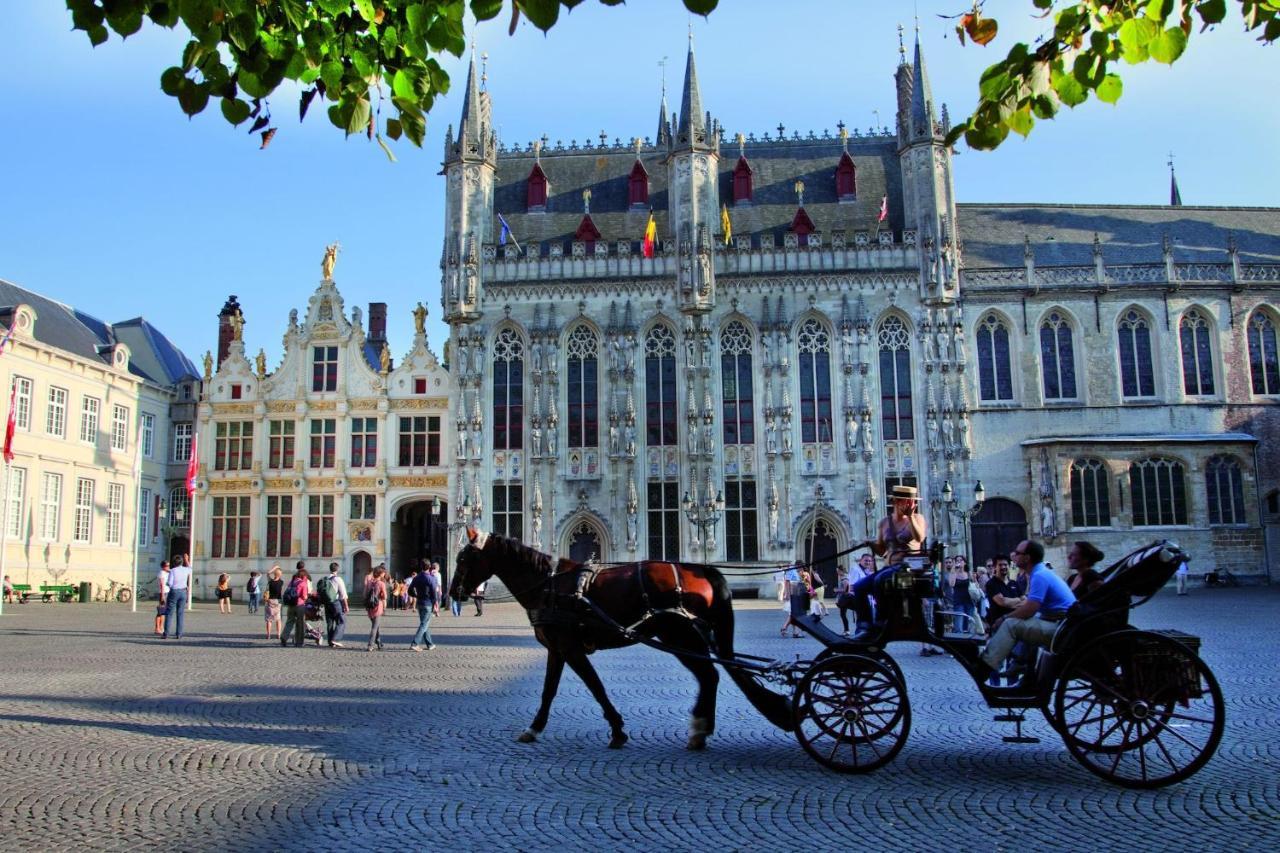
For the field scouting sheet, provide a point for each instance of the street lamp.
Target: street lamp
(966, 516)
(435, 522)
(704, 515)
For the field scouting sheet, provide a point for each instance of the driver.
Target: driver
(901, 532)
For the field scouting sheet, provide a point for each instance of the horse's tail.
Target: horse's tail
(775, 707)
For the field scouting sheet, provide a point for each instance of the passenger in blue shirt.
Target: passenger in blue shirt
(1036, 619)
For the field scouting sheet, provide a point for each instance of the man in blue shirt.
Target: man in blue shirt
(1036, 619)
(426, 589)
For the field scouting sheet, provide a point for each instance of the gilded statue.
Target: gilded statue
(384, 359)
(208, 366)
(330, 258)
(237, 326)
(262, 364)
(420, 319)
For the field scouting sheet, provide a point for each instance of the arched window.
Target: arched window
(896, 419)
(742, 182)
(536, 189)
(1159, 492)
(508, 391)
(735, 384)
(1090, 494)
(660, 386)
(846, 179)
(1197, 354)
(995, 378)
(1057, 358)
(741, 534)
(638, 185)
(815, 382)
(584, 543)
(1224, 491)
(179, 507)
(1264, 366)
(583, 350)
(1137, 375)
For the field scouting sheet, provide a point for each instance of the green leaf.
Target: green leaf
(192, 97)
(985, 136)
(170, 80)
(97, 35)
(1110, 89)
(366, 10)
(359, 120)
(485, 9)
(126, 19)
(251, 84)
(234, 110)
(1068, 88)
(1038, 79)
(331, 74)
(419, 18)
(1021, 121)
(1045, 106)
(402, 85)
(1135, 34)
(701, 7)
(1212, 11)
(393, 128)
(995, 81)
(334, 7)
(1168, 46)
(541, 13)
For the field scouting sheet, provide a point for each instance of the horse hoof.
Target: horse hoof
(618, 740)
(527, 736)
(696, 743)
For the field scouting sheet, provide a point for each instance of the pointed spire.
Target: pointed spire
(692, 130)
(470, 123)
(1175, 197)
(664, 127)
(922, 112)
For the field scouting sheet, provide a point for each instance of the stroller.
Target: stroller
(315, 613)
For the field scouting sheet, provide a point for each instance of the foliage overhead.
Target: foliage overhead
(366, 56)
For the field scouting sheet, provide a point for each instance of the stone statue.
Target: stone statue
(1048, 524)
(943, 341)
(866, 432)
(536, 352)
(849, 345)
(704, 273)
(771, 437)
(420, 319)
(330, 258)
(552, 444)
(535, 439)
(237, 326)
(708, 438)
(462, 441)
(962, 425)
(786, 438)
(262, 363)
(691, 435)
(384, 359)
(614, 448)
(850, 432)
(773, 511)
(933, 430)
(948, 432)
(477, 439)
(537, 528)
(767, 340)
(690, 351)
(616, 350)
(208, 366)
(472, 281)
(930, 352)
(631, 439)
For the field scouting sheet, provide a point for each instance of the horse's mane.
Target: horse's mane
(515, 549)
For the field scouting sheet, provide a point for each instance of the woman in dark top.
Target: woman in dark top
(961, 599)
(275, 591)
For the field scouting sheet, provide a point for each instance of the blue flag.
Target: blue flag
(505, 233)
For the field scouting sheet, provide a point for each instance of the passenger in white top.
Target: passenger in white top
(334, 598)
(177, 597)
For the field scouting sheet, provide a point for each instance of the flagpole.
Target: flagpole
(4, 529)
(137, 499)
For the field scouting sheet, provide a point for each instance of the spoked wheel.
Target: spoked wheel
(851, 713)
(1139, 709)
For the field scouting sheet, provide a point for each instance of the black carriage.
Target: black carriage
(1136, 707)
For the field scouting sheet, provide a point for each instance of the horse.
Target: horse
(577, 609)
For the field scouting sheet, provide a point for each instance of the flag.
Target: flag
(725, 225)
(505, 233)
(650, 232)
(884, 209)
(12, 422)
(1175, 200)
(193, 467)
(4, 342)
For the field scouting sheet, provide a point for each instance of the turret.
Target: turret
(692, 170)
(230, 309)
(470, 162)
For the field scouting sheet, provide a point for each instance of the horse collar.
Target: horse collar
(480, 539)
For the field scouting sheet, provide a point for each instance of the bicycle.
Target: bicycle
(115, 591)
(1220, 578)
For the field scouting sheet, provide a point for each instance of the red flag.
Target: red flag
(12, 423)
(193, 467)
(884, 209)
(650, 232)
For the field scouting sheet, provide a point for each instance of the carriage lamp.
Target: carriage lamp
(948, 496)
(435, 507)
(979, 495)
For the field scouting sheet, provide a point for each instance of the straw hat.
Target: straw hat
(909, 493)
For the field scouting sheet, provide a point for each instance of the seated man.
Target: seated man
(1035, 620)
(900, 533)
(1003, 595)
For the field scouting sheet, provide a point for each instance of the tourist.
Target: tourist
(899, 534)
(409, 598)
(224, 593)
(426, 593)
(375, 604)
(332, 592)
(1036, 619)
(799, 592)
(177, 597)
(8, 592)
(253, 591)
(275, 591)
(295, 598)
(844, 597)
(1180, 577)
(958, 583)
(162, 583)
(1081, 559)
(477, 595)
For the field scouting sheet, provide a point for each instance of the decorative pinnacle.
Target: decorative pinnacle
(742, 145)
(662, 63)
(902, 47)
(586, 201)
(799, 188)
(484, 68)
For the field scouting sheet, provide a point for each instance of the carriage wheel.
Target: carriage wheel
(851, 713)
(1139, 709)
(878, 655)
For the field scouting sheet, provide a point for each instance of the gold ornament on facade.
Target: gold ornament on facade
(330, 258)
(420, 319)
(237, 326)
(431, 481)
(262, 364)
(230, 485)
(208, 366)
(415, 405)
(384, 359)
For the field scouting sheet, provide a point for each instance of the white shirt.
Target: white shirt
(179, 578)
(339, 586)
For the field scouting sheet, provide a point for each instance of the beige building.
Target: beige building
(338, 454)
(94, 407)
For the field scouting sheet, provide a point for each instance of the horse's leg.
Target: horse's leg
(550, 684)
(578, 662)
(681, 634)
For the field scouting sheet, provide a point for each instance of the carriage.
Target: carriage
(1136, 707)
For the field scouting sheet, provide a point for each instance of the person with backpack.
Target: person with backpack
(426, 591)
(275, 592)
(375, 604)
(253, 591)
(332, 591)
(295, 598)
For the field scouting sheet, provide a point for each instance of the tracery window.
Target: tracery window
(735, 384)
(1197, 354)
(742, 540)
(995, 376)
(1159, 490)
(664, 520)
(1057, 358)
(1264, 365)
(1224, 491)
(815, 382)
(583, 349)
(508, 391)
(895, 381)
(1137, 374)
(1090, 494)
(660, 386)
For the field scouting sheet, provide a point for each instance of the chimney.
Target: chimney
(229, 310)
(377, 323)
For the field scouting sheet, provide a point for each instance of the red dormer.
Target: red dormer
(742, 182)
(846, 179)
(802, 226)
(587, 231)
(638, 185)
(536, 193)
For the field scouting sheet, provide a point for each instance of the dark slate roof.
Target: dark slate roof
(153, 354)
(373, 355)
(1062, 235)
(776, 165)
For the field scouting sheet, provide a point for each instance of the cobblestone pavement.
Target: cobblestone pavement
(110, 739)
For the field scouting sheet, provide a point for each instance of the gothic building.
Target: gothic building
(819, 320)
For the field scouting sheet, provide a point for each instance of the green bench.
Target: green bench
(64, 592)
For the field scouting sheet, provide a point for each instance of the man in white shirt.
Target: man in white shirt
(334, 596)
(177, 596)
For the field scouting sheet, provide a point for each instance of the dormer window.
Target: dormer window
(638, 185)
(237, 391)
(587, 233)
(538, 186)
(742, 182)
(802, 226)
(846, 179)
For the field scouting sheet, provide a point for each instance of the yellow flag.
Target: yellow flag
(725, 225)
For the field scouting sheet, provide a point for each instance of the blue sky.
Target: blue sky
(114, 202)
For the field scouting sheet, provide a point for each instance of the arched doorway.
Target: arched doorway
(997, 528)
(819, 548)
(361, 564)
(584, 543)
(178, 546)
(417, 536)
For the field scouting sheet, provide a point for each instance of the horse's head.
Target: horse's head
(472, 567)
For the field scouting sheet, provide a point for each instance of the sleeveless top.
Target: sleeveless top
(901, 538)
(960, 592)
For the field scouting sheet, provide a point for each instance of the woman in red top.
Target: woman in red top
(375, 604)
(295, 597)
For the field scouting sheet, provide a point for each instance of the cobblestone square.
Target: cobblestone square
(111, 739)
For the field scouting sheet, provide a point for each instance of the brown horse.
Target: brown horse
(686, 608)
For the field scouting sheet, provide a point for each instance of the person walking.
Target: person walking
(426, 591)
(275, 591)
(1180, 577)
(477, 596)
(961, 598)
(224, 593)
(295, 598)
(333, 595)
(177, 597)
(162, 581)
(375, 604)
(253, 591)
(799, 593)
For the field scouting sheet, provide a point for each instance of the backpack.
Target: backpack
(251, 586)
(290, 597)
(325, 590)
(371, 596)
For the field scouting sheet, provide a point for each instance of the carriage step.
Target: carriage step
(1020, 739)
(1009, 718)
